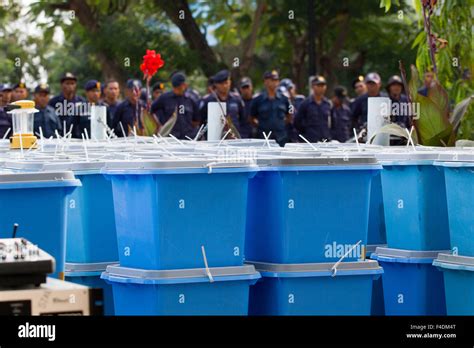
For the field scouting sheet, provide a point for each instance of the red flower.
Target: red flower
(151, 63)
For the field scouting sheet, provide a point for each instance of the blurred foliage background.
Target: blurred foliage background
(104, 39)
(263, 34)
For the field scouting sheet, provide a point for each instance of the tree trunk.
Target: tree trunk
(299, 72)
(250, 41)
(86, 16)
(180, 14)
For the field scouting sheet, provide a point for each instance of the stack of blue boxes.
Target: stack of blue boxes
(458, 267)
(90, 240)
(417, 231)
(181, 235)
(36, 201)
(306, 228)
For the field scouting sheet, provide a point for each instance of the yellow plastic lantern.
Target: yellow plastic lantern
(23, 115)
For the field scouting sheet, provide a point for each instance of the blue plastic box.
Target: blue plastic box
(378, 306)
(181, 292)
(91, 234)
(311, 289)
(411, 284)
(459, 178)
(166, 211)
(88, 274)
(376, 232)
(458, 274)
(415, 204)
(37, 203)
(309, 210)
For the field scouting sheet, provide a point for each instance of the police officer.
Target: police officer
(157, 90)
(270, 110)
(6, 94)
(20, 92)
(235, 105)
(177, 100)
(45, 118)
(399, 102)
(246, 93)
(111, 98)
(359, 87)
(5, 118)
(128, 113)
(68, 106)
(341, 117)
(360, 105)
(93, 94)
(313, 117)
(289, 90)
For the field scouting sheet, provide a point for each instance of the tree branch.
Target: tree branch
(250, 41)
(180, 14)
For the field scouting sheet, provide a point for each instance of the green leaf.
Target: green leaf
(459, 112)
(433, 126)
(396, 130)
(387, 4)
(437, 94)
(421, 37)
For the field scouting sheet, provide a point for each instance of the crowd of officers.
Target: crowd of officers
(278, 110)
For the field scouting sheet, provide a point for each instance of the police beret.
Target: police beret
(340, 92)
(159, 86)
(6, 87)
(68, 76)
(318, 80)
(221, 76)
(359, 78)
(92, 84)
(42, 88)
(245, 82)
(273, 74)
(132, 84)
(287, 83)
(178, 79)
(394, 79)
(19, 85)
(373, 77)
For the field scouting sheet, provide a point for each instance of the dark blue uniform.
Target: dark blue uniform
(423, 91)
(235, 108)
(186, 112)
(246, 129)
(5, 122)
(359, 108)
(70, 111)
(48, 121)
(111, 108)
(194, 95)
(127, 114)
(85, 122)
(312, 119)
(402, 119)
(341, 123)
(271, 115)
(290, 127)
